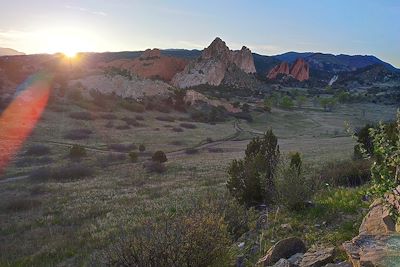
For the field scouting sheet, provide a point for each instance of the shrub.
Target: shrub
(105, 160)
(78, 134)
(155, 166)
(177, 129)
(77, 152)
(159, 156)
(251, 180)
(287, 102)
(209, 140)
(215, 150)
(132, 106)
(292, 187)
(243, 116)
(37, 150)
(345, 173)
(191, 150)
(75, 95)
(177, 143)
(122, 147)
(43, 173)
(246, 107)
(131, 121)
(142, 148)
(133, 156)
(188, 125)
(23, 204)
(109, 124)
(26, 162)
(72, 172)
(123, 127)
(139, 117)
(195, 239)
(166, 118)
(295, 161)
(108, 116)
(82, 115)
(385, 171)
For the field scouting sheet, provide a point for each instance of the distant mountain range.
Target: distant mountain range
(9, 52)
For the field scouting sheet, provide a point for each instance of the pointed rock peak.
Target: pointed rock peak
(217, 41)
(217, 49)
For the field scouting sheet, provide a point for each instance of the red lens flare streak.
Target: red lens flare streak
(21, 116)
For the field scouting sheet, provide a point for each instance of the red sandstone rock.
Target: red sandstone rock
(300, 70)
(151, 64)
(282, 68)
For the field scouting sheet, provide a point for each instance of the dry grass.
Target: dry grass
(75, 218)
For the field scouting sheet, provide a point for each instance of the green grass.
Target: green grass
(75, 219)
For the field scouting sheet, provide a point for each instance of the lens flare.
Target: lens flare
(20, 117)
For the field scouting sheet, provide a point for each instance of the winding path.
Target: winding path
(172, 154)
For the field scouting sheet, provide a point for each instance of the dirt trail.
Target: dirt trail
(172, 154)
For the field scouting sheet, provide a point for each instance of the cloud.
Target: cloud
(82, 9)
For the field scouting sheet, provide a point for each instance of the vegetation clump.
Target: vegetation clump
(251, 180)
(77, 152)
(159, 156)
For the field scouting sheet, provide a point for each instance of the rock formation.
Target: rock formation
(211, 67)
(151, 65)
(299, 70)
(378, 243)
(282, 68)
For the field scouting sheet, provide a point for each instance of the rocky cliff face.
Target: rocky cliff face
(299, 70)
(282, 68)
(212, 66)
(151, 65)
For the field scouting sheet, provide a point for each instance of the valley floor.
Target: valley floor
(48, 223)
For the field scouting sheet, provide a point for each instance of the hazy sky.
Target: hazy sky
(265, 26)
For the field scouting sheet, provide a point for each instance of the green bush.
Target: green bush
(295, 161)
(292, 186)
(77, 152)
(251, 180)
(133, 156)
(159, 156)
(286, 102)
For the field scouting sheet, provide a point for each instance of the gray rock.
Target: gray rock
(296, 258)
(340, 264)
(318, 257)
(285, 248)
(283, 263)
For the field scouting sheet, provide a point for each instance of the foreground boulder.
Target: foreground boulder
(317, 257)
(215, 61)
(284, 249)
(378, 243)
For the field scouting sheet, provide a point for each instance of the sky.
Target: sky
(269, 27)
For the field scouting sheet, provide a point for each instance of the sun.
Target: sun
(70, 53)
